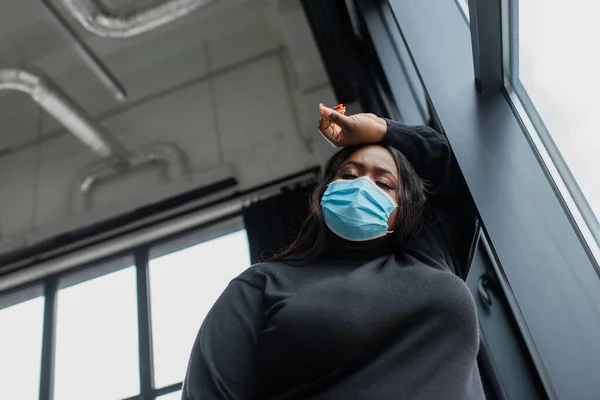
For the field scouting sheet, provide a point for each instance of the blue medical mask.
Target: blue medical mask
(357, 209)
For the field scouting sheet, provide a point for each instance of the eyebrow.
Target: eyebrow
(363, 167)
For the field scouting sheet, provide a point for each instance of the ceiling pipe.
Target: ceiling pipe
(71, 116)
(85, 52)
(93, 18)
(171, 160)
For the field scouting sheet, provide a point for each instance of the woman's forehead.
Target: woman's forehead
(374, 156)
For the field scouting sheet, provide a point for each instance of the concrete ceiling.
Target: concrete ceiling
(143, 64)
(256, 57)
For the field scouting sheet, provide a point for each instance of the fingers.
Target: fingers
(334, 116)
(324, 123)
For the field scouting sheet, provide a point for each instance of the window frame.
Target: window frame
(21, 295)
(143, 256)
(42, 273)
(574, 199)
(70, 278)
(549, 271)
(139, 257)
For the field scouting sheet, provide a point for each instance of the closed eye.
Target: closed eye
(349, 175)
(385, 185)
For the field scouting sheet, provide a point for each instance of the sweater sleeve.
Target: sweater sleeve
(451, 217)
(222, 363)
(427, 150)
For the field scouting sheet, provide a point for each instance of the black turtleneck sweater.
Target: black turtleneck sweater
(393, 327)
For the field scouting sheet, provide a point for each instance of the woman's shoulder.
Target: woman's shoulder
(259, 273)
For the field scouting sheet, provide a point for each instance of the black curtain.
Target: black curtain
(273, 223)
(352, 67)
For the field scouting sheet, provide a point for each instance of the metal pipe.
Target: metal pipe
(125, 107)
(97, 21)
(168, 157)
(97, 67)
(70, 115)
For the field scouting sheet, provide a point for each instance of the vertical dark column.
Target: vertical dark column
(48, 340)
(486, 41)
(144, 324)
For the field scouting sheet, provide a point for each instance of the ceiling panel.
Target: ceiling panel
(254, 99)
(185, 118)
(30, 42)
(19, 128)
(16, 15)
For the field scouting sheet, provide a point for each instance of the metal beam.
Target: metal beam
(98, 68)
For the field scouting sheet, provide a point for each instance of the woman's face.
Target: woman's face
(378, 164)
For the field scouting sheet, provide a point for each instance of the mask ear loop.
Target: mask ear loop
(392, 231)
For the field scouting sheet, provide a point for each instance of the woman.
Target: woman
(364, 304)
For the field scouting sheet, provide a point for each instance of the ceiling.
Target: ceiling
(257, 57)
(143, 64)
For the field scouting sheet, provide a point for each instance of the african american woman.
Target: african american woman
(365, 303)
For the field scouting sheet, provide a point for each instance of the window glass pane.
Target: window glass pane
(170, 396)
(464, 7)
(183, 287)
(558, 70)
(97, 339)
(21, 349)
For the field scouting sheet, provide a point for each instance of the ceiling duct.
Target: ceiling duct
(95, 19)
(56, 103)
(169, 158)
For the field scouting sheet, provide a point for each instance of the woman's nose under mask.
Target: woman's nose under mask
(357, 209)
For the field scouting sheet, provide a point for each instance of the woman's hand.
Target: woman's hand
(342, 130)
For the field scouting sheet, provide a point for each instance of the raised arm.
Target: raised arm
(426, 149)
(451, 214)
(222, 365)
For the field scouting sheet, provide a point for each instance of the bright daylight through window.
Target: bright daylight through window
(183, 287)
(97, 339)
(558, 68)
(21, 349)
(170, 396)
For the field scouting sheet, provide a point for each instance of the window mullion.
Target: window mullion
(144, 324)
(486, 40)
(48, 340)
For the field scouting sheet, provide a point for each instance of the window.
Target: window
(464, 7)
(555, 73)
(170, 396)
(183, 287)
(97, 338)
(95, 312)
(20, 348)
